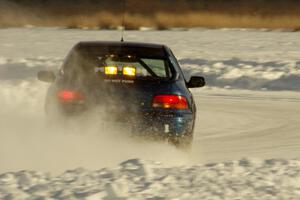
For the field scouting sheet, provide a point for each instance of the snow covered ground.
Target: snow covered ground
(250, 109)
(134, 179)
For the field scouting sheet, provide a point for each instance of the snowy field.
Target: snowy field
(248, 122)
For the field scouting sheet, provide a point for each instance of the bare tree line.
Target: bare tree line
(66, 7)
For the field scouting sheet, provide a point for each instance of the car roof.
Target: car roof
(146, 50)
(120, 44)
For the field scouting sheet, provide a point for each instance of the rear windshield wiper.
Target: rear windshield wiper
(149, 70)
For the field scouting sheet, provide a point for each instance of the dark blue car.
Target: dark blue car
(139, 84)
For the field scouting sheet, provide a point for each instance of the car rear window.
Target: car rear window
(149, 63)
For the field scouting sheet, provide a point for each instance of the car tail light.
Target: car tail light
(70, 96)
(170, 102)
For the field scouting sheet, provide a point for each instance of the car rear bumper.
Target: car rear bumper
(154, 122)
(165, 125)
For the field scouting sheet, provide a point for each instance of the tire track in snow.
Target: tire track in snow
(233, 128)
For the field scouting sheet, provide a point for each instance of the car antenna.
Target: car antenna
(123, 20)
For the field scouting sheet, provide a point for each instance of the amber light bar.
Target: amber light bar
(129, 71)
(111, 70)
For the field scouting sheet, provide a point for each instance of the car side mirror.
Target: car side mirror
(46, 76)
(196, 81)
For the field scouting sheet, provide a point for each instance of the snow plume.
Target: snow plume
(29, 140)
